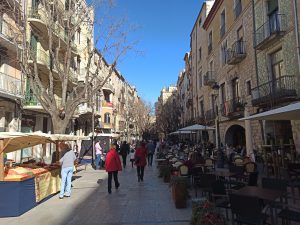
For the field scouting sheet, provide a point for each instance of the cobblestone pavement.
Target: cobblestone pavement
(146, 203)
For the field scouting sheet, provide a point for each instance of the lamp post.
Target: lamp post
(216, 88)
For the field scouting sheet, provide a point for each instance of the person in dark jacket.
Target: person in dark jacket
(112, 166)
(124, 151)
(140, 161)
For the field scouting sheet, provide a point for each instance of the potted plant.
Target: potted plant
(179, 191)
(205, 213)
(165, 173)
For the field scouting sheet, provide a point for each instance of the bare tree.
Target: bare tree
(73, 74)
(168, 118)
(141, 114)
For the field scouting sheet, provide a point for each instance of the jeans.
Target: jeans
(66, 180)
(140, 172)
(98, 161)
(150, 159)
(110, 174)
(124, 160)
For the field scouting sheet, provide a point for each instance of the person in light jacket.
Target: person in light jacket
(112, 166)
(67, 168)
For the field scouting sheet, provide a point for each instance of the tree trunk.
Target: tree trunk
(59, 125)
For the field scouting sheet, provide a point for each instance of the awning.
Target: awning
(196, 127)
(13, 141)
(289, 112)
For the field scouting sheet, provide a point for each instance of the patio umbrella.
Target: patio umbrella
(289, 112)
(181, 132)
(196, 127)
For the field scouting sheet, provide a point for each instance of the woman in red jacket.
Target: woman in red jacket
(112, 166)
(140, 161)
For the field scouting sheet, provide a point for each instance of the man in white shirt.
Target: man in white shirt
(98, 151)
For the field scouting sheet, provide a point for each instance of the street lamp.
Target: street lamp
(216, 88)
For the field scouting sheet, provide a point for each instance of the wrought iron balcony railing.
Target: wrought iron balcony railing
(10, 85)
(236, 53)
(233, 107)
(276, 90)
(270, 31)
(209, 78)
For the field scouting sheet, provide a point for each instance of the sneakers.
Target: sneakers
(118, 185)
(61, 197)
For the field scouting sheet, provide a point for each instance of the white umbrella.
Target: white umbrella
(181, 132)
(289, 112)
(196, 127)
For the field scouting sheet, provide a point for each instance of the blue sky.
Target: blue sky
(163, 35)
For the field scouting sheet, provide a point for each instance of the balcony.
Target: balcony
(270, 32)
(238, 9)
(209, 78)
(275, 91)
(38, 18)
(42, 59)
(10, 37)
(60, 5)
(107, 104)
(10, 87)
(84, 109)
(31, 103)
(109, 87)
(210, 115)
(236, 53)
(233, 108)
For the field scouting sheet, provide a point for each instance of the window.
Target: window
(200, 80)
(235, 88)
(107, 118)
(237, 8)
(272, 6)
(200, 21)
(200, 54)
(277, 66)
(222, 28)
(78, 35)
(209, 42)
(201, 108)
(248, 87)
(222, 93)
(223, 53)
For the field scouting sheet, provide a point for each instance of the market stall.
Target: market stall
(22, 187)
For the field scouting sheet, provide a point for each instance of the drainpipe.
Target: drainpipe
(297, 34)
(256, 67)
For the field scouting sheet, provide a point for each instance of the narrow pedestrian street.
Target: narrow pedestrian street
(148, 203)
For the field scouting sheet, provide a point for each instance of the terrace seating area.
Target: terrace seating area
(243, 191)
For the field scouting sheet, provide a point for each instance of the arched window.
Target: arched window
(107, 118)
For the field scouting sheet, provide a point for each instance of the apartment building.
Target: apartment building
(11, 79)
(276, 40)
(184, 91)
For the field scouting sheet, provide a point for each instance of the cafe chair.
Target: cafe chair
(195, 173)
(220, 196)
(290, 214)
(250, 167)
(209, 164)
(247, 210)
(275, 184)
(204, 182)
(292, 182)
(183, 171)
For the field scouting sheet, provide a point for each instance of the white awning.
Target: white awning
(196, 127)
(289, 112)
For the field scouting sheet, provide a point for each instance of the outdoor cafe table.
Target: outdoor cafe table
(261, 193)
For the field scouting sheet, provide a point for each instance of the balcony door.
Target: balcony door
(33, 45)
(277, 70)
(274, 25)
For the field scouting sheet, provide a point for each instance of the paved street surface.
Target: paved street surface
(146, 203)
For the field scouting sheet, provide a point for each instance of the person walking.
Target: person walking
(132, 157)
(124, 151)
(112, 166)
(150, 147)
(67, 168)
(98, 151)
(140, 161)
